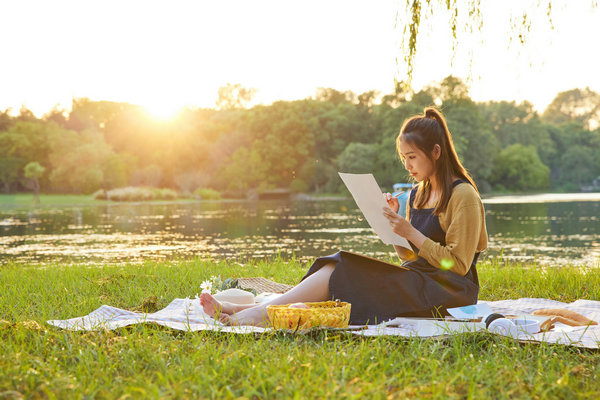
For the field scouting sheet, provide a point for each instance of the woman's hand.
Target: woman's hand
(392, 202)
(399, 225)
(403, 228)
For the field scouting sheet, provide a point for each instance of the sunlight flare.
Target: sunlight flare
(162, 109)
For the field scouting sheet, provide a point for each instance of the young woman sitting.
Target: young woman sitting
(445, 225)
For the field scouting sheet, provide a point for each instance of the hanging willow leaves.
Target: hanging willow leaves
(465, 16)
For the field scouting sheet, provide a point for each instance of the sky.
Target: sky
(165, 55)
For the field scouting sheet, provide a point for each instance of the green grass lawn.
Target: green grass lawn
(28, 200)
(146, 361)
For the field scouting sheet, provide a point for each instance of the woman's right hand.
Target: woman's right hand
(392, 202)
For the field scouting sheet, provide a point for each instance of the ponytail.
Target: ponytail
(424, 132)
(434, 114)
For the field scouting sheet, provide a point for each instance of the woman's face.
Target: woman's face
(416, 161)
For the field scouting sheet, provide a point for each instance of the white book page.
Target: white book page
(369, 198)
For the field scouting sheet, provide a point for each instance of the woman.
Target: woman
(445, 226)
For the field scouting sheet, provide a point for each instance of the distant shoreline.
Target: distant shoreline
(27, 199)
(541, 198)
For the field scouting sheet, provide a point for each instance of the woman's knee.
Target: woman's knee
(329, 267)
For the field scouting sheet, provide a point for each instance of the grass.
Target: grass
(40, 361)
(27, 200)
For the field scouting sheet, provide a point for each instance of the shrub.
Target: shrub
(130, 193)
(165, 194)
(207, 194)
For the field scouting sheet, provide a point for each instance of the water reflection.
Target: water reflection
(557, 232)
(550, 233)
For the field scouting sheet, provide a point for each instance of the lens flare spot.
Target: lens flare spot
(446, 264)
(344, 208)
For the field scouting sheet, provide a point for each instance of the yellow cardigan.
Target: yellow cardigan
(464, 224)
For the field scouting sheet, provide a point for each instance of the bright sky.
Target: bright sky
(169, 54)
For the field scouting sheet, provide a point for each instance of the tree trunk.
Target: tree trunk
(36, 191)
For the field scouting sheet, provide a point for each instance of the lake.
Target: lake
(552, 229)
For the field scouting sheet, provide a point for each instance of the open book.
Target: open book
(369, 199)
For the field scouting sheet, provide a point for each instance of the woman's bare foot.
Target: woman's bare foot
(233, 314)
(256, 316)
(212, 306)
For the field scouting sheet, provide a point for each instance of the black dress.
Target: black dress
(379, 291)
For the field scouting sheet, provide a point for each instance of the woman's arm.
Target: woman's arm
(404, 253)
(465, 235)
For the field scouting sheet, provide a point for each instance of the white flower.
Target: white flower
(188, 304)
(206, 287)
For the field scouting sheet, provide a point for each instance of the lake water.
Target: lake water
(549, 229)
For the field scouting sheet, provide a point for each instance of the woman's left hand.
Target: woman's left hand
(399, 225)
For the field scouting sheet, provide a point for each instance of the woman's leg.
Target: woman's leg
(212, 306)
(314, 288)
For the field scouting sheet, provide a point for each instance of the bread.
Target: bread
(566, 317)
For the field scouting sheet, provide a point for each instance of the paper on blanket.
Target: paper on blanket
(369, 198)
(470, 312)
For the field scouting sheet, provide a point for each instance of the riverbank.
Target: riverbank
(37, 360)
(540, 198)
(26, 200)
(21, 200)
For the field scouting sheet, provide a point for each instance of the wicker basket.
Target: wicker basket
(331, 314)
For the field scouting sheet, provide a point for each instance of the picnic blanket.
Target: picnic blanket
(187, 315)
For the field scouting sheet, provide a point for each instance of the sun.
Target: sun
(162, 109)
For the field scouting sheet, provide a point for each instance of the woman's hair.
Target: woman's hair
(424, 132)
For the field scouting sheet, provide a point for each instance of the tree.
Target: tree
(10, 169)
(335, 96)
(12, 147)
(26, 115)
(234, 96)
(5, 120)
(367, 99)
(575, 105)
(86, 113)
(334, 124)
(282, 138)
(578, 167)
(33, 171)
(474, 142)
(513, 123)
(423, 99)
(33, 141)
(595, 144)
(359, 158)
(518, 167)
(191, 180)
(450, 88)
(323, 177)
(149, 175)
(573, 144)
(114, 172)
(388, 168)
(244, 171)
(58, 115)
(76, 161)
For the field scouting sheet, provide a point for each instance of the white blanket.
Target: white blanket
(187, 315)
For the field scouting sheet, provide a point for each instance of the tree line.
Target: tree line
(300, 145)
